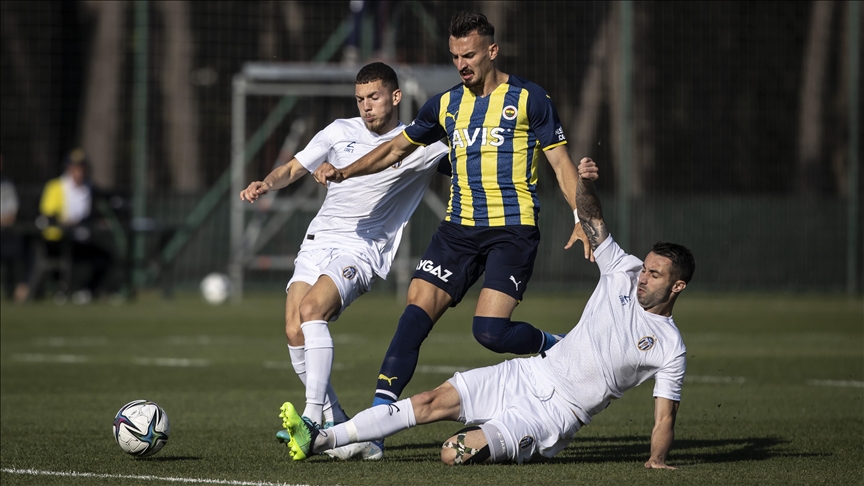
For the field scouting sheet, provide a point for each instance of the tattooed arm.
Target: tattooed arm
(590, 212)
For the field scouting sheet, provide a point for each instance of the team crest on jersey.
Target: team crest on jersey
(526, 442)
(350, 148)
(349, 272)
(509, 112)
(646, 343)
(625, 299)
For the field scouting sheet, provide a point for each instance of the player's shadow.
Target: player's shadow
(684, 451)
(170, 458)
(637, 449)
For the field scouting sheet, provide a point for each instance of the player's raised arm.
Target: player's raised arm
(665, 411)
(277, 179)
(590, 212)
(565, 172)
(375, 161)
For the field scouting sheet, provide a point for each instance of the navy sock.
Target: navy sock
(502, 335)
(401, 358)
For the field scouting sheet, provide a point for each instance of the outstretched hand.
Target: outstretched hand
(255, 190)
(326, 172)
(588, 169)
(579, 234)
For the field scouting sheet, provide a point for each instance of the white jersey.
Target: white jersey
(616, 345)
(366, 213)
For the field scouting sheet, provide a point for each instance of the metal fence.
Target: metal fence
(731, 127)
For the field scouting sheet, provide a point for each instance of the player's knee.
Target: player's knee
(491, 332)
(467, 447)
(293, 332)
(423, 403)
(448, 454)
(292, 328)
(311, 310)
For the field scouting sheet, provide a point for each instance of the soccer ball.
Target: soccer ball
(141, 428)
(216, 288)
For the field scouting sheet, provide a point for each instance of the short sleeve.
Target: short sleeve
(436, 158)
(317, 150)
(543, 118)
(670, 379)
(611, 258)
(426, 129)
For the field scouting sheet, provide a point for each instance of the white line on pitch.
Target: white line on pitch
(50, 358)
(714, 379)
(840, 383)
(175, 362)
(425, 369)
(286, 365)
(77, 359)
(442, 370)
(73, 474)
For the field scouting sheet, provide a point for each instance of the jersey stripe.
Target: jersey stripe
(494, 159)
(464, 111)
(449, 111)
(529, 202)
(509, 174)
(471, 137)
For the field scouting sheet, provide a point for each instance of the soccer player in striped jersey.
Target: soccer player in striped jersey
(497, 125)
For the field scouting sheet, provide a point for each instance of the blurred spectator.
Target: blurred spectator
(376, 14)
(65, 217)
(11, 244)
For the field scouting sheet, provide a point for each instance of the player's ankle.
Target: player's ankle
(382, 401)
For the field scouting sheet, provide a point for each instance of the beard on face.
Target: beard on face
(475, 80)
(378, 123)
(651, 299)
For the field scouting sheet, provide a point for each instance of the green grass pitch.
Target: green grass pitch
(773, 394)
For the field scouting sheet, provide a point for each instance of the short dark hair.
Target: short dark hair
(464, 23)
(378, 71)
(683, 263)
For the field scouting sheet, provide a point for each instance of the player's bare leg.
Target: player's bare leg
(433, 300)
(468, 446)
(296, 292)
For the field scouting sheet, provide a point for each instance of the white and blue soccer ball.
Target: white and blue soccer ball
(141, 428)
(216, 288)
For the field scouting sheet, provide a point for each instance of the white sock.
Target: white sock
(319, 363)
(333, 412)
(371, 424)
(298, 361)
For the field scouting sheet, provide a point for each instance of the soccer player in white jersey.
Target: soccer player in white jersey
(355, 234)
(530, 408)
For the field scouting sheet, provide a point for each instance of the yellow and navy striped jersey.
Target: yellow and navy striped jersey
(495, 142)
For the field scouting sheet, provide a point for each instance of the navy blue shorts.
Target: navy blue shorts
(458, 255)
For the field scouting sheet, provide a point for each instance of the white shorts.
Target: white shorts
(351, 272)
(525, 408)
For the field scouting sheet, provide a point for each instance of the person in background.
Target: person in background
(12, 248)
(66, 210)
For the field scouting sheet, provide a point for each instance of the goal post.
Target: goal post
(291, 82)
